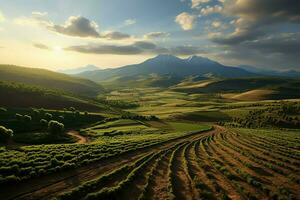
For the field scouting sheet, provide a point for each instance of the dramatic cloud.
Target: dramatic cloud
(269, 10)
(186, 21)
(255, 34)
(254, 17)
(114, 35)
(279, 51)
(77, 26)
(41, 46)
(140, 47)
(156, 35)
(197, 3)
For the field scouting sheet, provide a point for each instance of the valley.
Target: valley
(158, 136)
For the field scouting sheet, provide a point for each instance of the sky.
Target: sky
(63, 34)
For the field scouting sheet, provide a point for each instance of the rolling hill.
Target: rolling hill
(21, 95)
(48, 79)
(168, 65)
(245, 89)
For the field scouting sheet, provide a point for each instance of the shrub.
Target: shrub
(5, 134)
(55, 128)
(2, 110)
(27, 118)
(44, 122)
(61, 118)
(48, 116)
(35, 113)
(18, 116)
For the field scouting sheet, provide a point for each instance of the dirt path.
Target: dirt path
(50, 186)
(81, 139)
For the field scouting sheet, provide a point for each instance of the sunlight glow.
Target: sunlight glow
(57, 49)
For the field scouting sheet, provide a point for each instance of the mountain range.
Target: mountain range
(169, 65)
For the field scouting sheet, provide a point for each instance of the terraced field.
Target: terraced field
(217, 164)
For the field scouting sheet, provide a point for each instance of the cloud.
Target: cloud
(37, 14)
(145, 45)
(279, 51)
(129, 22)
(270, 10)
(2, 18)
(261, 32)
(140, 47)
(255, 18)
(115, 35)
(216, 24)
(186, 50)
(36, 19)
(211, 9)
(286, 43)
(77, 26)
(156, 35)
(186, 21)
(107, 49)
(41, 46)
(197, 3)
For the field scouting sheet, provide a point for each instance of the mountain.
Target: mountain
(79, 69)
(163, 65)
(48, 79)
(288, 73)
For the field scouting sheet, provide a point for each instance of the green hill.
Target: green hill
(24, 96)
(245, 88)
(48, 79)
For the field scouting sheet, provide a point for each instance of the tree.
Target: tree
(55, 128)
(5, 134)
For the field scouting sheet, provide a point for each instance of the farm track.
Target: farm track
(217, 164)
(81, 139)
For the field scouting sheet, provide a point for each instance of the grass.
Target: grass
(184, 127)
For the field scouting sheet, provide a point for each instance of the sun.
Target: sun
(57, 49)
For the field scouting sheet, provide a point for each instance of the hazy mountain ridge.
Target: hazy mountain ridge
(269, 72)
(78, 70)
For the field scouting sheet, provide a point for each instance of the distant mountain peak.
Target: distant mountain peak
(165, 57)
